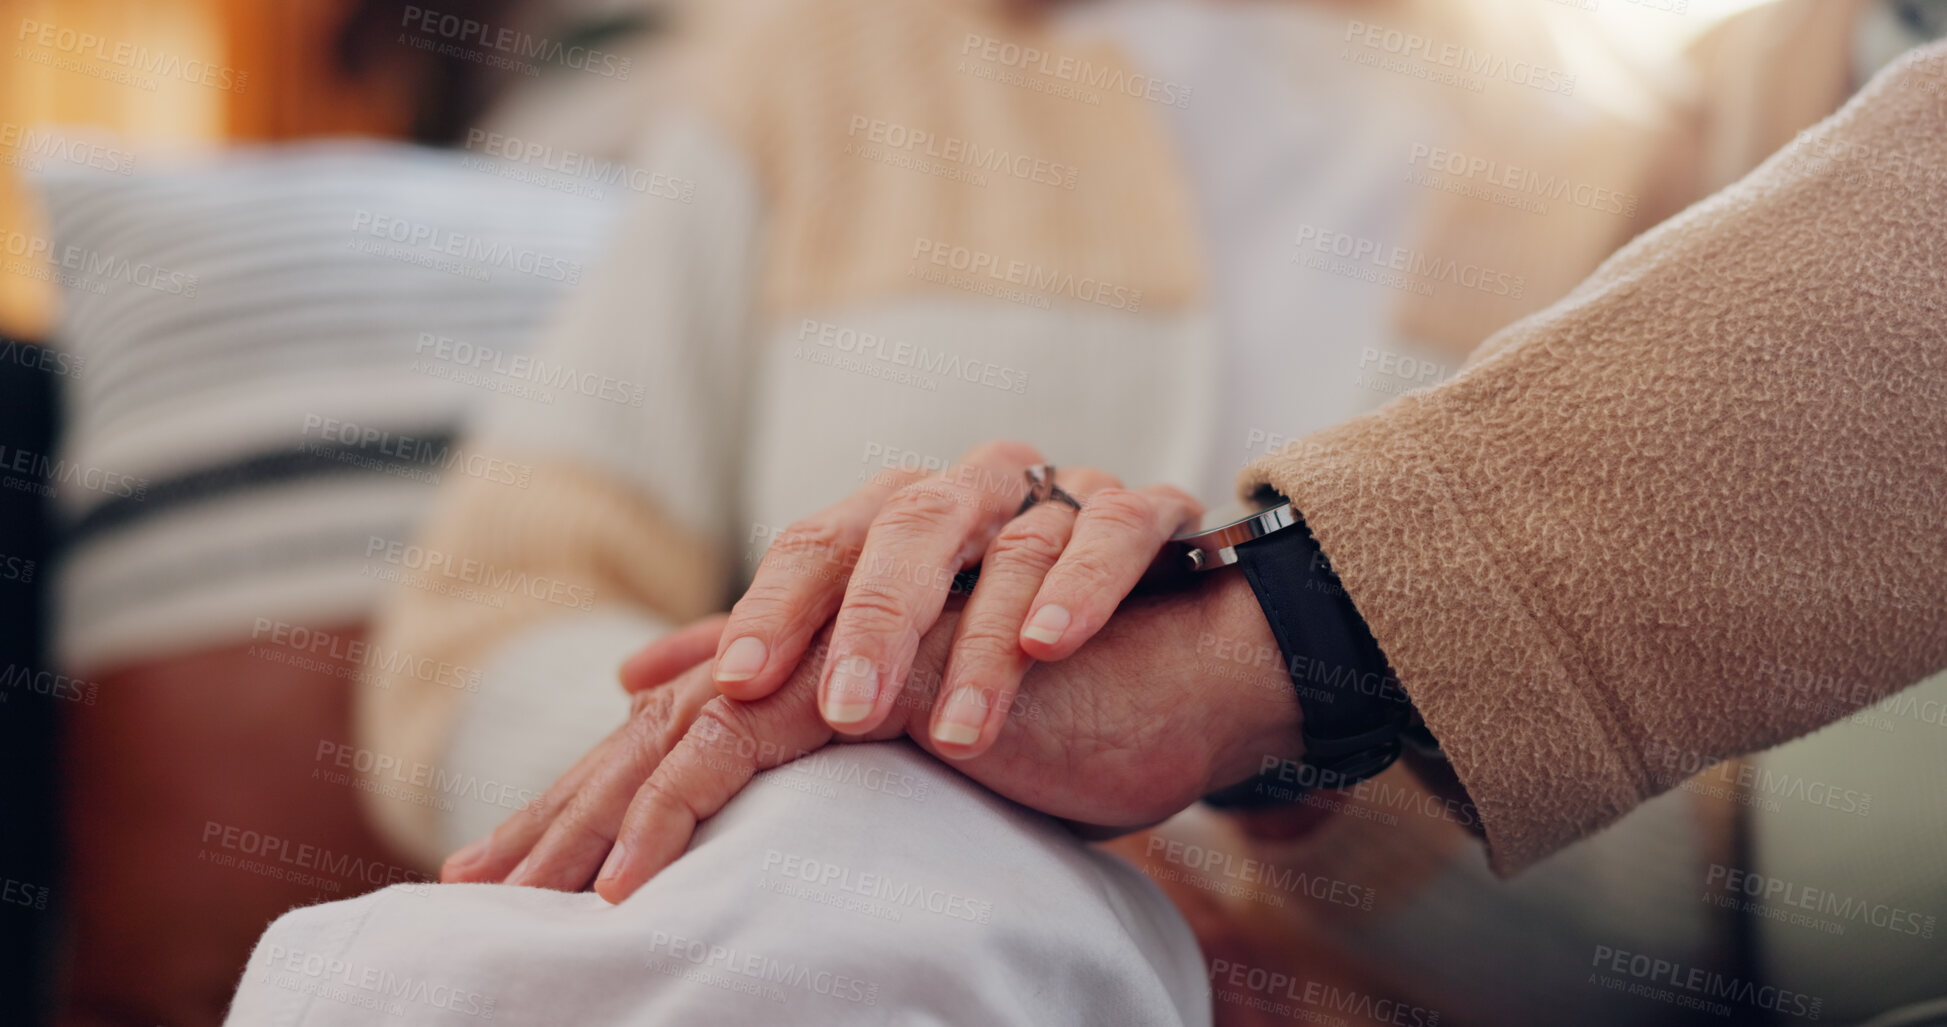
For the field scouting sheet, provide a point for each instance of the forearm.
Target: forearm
(1638, 516)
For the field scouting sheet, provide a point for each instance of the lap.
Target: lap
(865, 883)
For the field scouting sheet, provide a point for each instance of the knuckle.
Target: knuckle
(811, 538)
(922, 506)
(874, 605)
(1028, 540)
(722, 723)
(768, 602)
(655, 706)
(1120, 510)
(661, 793)
(1088, 569)
(577, 812)
(650, 731)
(990, 638)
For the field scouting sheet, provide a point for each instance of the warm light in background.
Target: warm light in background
(154, 78)
(276, 54)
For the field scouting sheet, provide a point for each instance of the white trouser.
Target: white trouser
(863, 884)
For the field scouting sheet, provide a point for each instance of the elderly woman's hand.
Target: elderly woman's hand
(1179, 695)
(879, 565)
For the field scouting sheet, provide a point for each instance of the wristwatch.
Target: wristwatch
(1356, 717)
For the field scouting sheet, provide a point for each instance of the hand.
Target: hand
(1171, 700)
(878, 566)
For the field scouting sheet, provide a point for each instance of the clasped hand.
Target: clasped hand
(1051, 684)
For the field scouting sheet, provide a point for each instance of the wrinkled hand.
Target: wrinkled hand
(878, 566)
(1166, 703)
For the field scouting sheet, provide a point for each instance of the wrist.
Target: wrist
(1244, 670)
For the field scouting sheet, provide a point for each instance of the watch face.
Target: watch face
(1215, 544)
(1228, 516)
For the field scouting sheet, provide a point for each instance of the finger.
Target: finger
(925, 533)
(729, 743)
(675, 652)
(795, 591)
(489, 859)
(1117, 535)
(984, 670)
(569, 851)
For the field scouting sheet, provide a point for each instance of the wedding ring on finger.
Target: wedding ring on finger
(1041, 489)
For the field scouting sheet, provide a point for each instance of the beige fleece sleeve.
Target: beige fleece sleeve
(1616, 543)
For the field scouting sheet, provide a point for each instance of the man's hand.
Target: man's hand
(1177, 696)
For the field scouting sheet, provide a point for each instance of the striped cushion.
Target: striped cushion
(276, 350)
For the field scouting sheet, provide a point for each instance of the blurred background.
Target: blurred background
(180, 642)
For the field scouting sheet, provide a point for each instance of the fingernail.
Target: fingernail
(742, 660)
(961, 720)
(468, 856)
(1048, 624)
(520, 870)
(851, 692)
(612, 866)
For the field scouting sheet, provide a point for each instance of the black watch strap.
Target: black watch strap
(1355, 712)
